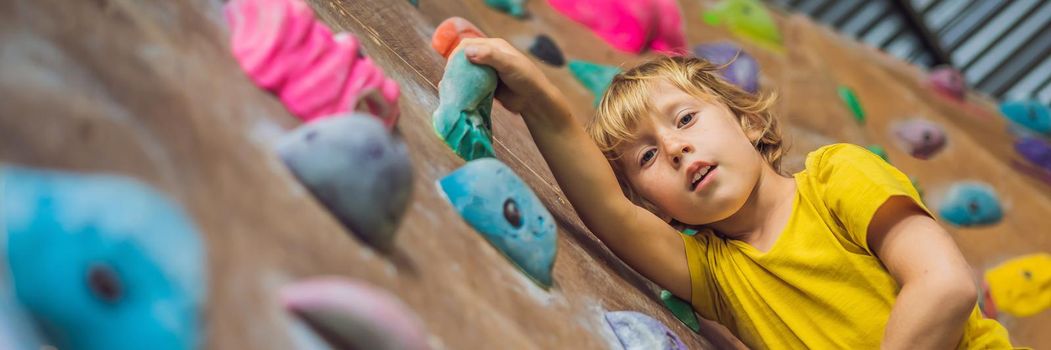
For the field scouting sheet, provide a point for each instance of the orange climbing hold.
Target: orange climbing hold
(449, 33)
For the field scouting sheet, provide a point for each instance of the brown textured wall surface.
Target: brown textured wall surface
(148, 89)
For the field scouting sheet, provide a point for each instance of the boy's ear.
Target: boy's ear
(753, 133)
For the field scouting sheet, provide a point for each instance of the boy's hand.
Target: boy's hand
(521, 82)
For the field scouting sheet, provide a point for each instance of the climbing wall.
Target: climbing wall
(149, 89)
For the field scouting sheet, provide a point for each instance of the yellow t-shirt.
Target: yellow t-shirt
(820, 286)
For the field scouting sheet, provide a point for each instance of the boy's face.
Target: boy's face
(684, 137)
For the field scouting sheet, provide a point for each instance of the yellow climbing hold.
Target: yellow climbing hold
(1021, 286)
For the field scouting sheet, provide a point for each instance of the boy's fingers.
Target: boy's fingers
(487, 52)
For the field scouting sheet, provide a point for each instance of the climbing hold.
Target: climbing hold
(493, 200)
(741, 68)
(1021, 286)
(450, 32)
(1028, 116)
(633, 26)
(920, 138)
(512, 7)
(354, 315)
(681, 309)
(971, 204)
(415, 3)
(747, 19)
(636, 331)
(462, 118)
(689, 231)
(948, 81)
(547, 51)
(1035, 150)
(879, 151)
(851, 99)
(595, 77)
(986, 303)
(285, 50)
(102, 261)
(916, 184)
(353, 166)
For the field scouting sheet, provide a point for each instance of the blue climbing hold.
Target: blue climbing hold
(353, 166)
(1030, 116)
(595, 77)
(971, 204)
(463, 115)
(102, 262)
(495, 201)
(741, 69)
(636, 331)
(514, 8)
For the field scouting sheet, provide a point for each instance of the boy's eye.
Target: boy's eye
(686, 119)
(647, 156)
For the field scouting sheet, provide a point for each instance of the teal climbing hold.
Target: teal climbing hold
(466, 102)
(497, 203)
(971, 204)
(851, 99)
(747, 19)
(681, 309)
(512, 7)
(879, 151)
(595, 77)
(101, 262)
(689, 231)
(415, 3)
(1028, 117)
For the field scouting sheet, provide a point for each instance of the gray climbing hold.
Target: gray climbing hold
(353, 166)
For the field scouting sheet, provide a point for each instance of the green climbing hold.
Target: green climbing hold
(512, 7)
(879, 151)
(595, 77)
(851, 99)
(747, 19)
(682, 310)
(916, 185)
(465, 102)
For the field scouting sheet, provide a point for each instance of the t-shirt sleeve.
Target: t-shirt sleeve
(695, 257)
(855, 183)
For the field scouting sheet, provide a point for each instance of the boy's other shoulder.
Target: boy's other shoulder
(830, 156)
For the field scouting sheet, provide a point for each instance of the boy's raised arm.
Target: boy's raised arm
(640, 238)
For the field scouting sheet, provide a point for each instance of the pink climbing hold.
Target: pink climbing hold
(949, 82)
(284, 49)
(632, 26)
(354, 315)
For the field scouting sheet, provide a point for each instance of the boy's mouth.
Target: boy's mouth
(697, 172)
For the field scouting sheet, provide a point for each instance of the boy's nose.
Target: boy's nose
(676, 157)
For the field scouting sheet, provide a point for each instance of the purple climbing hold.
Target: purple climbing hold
(741, 68)
(356, 169)
(948, 81)
(1036, 151)
(636, 331)
(920, 138)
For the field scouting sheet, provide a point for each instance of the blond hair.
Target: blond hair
(627, 100)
